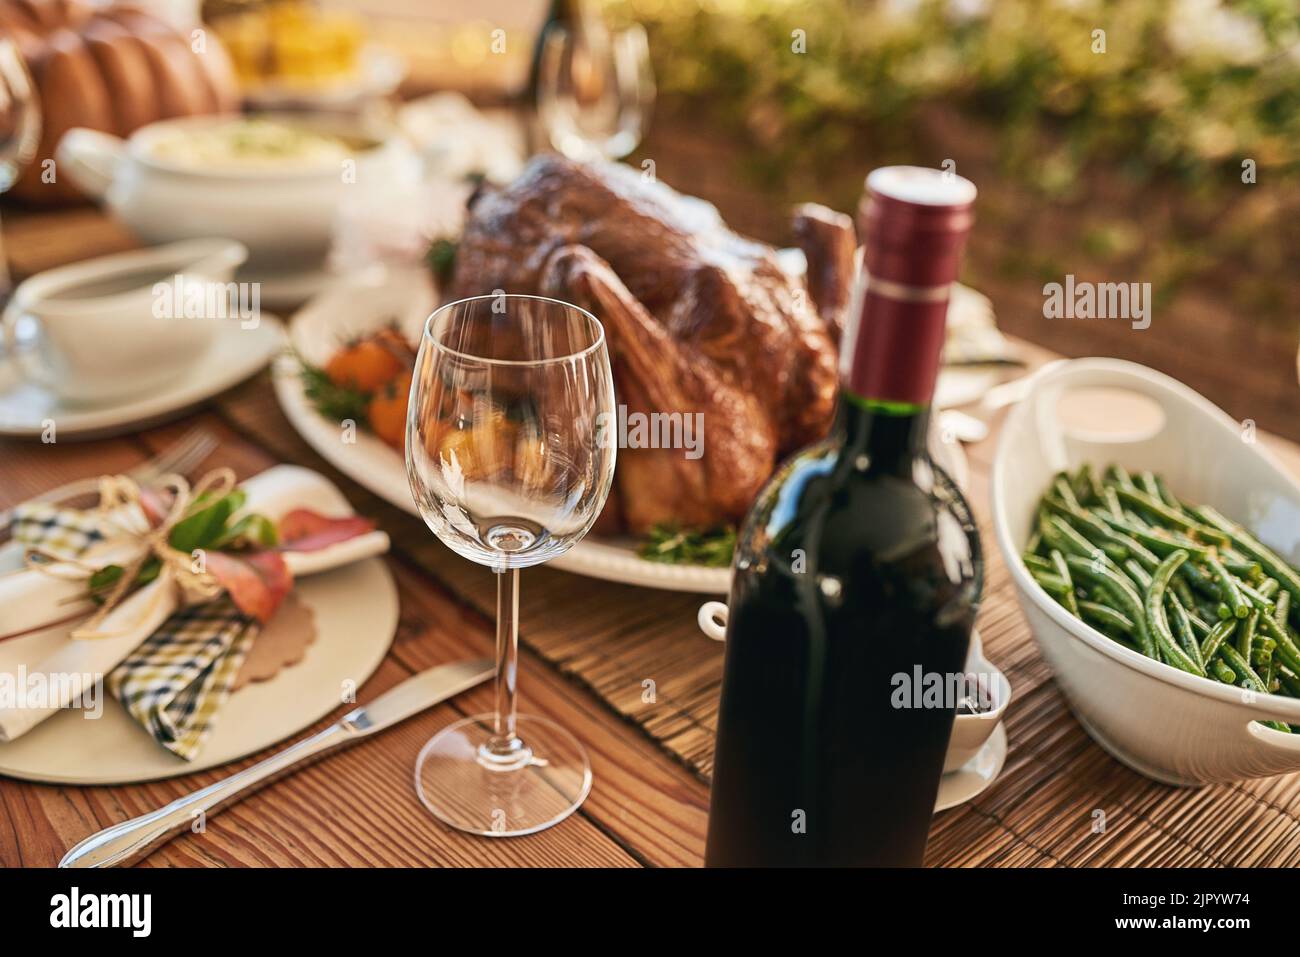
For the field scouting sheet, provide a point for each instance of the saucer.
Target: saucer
(288, 289)
(235, 354)
(976, 775)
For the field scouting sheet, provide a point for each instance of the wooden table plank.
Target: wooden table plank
(359, 807)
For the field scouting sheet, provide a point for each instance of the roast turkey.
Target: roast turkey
(699, 320)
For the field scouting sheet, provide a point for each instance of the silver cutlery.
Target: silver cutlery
(178, 458)
(132, 840)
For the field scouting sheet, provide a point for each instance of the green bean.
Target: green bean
(1063, 536)
(1289, 680)
(1168, 497)
(1286, 648)
(1139, 574)
(1217, 636)
(1156, 540)
(1121, 593)
(1135, 518)
(1220, 670)
(1270, 674)
(1106, 616)
(1063, 570)
(1200, 579)
(1086, 487)
(1179, 582)
(1097, 533)
(1250, 571)
(1184, 593)
(1054, 585)
(1061, 485)
(1268, 560)
(1199, 625)
(1246, 633)
(1266, 590)
(1246, 674)
(1160, 510)
(1157, 622)
(1209, 611)
(1228, 590)
(1112, 501)
(1037, 563)
(1282, 608)
(1182, 629)
(1147, 482)
(1120, 477)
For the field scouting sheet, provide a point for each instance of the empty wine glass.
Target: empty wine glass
(595, 90)
(510, 458)
(20, 131)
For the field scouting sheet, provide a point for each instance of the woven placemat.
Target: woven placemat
(1060, 800)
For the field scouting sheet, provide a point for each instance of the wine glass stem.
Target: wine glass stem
(6, 278)
(504, 740)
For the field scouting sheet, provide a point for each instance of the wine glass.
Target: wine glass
(595, 90)
(20, 131)
(510, 457)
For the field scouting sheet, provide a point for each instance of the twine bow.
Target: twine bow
(120, 501)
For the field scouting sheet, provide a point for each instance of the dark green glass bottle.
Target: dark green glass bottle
(858, 565)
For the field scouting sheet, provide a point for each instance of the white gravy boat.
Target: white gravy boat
(115, 325)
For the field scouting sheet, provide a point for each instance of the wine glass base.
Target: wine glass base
(461, 783)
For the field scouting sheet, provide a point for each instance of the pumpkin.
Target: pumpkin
(113, 69)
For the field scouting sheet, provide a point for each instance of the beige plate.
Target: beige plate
(356, 612)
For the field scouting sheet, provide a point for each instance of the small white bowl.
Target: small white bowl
(970, 732)
(1169, 725)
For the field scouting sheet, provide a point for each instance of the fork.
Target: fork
(179, 458)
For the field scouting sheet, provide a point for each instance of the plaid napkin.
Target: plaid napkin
(174, 683)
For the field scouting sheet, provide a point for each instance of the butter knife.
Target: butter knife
(132, 840)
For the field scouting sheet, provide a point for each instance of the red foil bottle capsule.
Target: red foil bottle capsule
(913, 223)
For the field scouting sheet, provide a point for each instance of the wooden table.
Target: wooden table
(649, 802)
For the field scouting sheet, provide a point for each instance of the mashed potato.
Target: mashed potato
(250, 144)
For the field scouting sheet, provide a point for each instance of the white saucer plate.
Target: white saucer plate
(976, 775)
(235, 354)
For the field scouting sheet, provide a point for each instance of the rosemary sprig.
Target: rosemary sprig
(668, 543)
(335, 402)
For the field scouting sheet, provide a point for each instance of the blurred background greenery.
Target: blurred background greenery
(1143, 140)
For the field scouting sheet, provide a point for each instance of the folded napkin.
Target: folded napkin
(175, 682)
(170, 667)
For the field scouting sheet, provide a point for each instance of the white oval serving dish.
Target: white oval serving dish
(1168, 725)
(285, 216)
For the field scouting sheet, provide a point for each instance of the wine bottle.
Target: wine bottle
(857, 574)
(591, 40)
